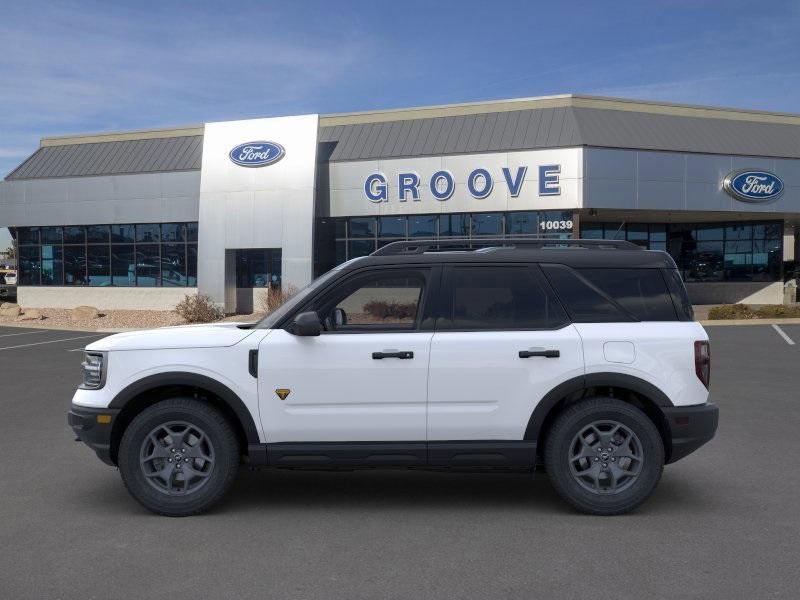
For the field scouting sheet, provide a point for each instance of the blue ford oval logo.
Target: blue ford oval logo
(753, 186)
(257, 154)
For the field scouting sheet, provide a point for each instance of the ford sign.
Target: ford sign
(257, 154)
(753, 186)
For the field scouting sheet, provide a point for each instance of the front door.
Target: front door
(364, 379)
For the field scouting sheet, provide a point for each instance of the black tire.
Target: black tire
(212, 474)
(568, 438)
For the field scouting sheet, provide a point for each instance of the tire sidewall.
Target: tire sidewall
(574, 420)
(226, 457)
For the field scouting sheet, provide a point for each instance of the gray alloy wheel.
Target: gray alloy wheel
(179, 456)
(606, 457)
(603, 455)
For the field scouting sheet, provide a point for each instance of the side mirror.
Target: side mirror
(307, 324)
(339, 317)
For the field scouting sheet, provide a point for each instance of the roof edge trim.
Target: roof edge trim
(143, 134)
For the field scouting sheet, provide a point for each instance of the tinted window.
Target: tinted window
(99, 261)
(392, 227)
(680, 298)
(487, 224)
(642, 292)
(123, 265)
(97, 234)
(502, 298)
(122, 234)
(173, 265)
(74, 265)
(422, 226)
(385, 301)
(149, 232)
(584, 302)
(74, 235)
(28, 235)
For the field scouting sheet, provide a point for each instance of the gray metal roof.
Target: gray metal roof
(182, 153)
(489, 132)
(648, 131)
(525, 124)
(560, 127)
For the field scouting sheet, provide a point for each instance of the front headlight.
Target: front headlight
(94, 370)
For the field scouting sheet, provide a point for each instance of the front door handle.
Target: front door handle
(404, 354)
(545, 353)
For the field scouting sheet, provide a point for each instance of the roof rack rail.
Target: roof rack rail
(474, 244)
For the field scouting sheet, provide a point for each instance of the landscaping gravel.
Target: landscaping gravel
(59, 318)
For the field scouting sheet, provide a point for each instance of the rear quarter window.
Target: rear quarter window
(642, 292)
(585, 302)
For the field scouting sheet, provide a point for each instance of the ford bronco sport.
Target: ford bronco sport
(580, 358)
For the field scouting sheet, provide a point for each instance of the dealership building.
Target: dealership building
(139, 219)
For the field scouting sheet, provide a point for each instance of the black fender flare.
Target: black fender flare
(582, 382)
(182, 378)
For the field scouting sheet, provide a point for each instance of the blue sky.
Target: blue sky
(75, 67)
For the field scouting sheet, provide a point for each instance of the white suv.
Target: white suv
(577, 357)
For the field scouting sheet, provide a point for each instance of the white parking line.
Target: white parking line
(782, 333)
(83, 337)
(23, 333)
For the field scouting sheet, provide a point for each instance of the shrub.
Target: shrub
(778, 311)
(731, 311)
(747, 311)
(198, 308)
(272, 297)
(386, 310)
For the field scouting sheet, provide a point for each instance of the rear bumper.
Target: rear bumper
(88, 430)
(690, 427)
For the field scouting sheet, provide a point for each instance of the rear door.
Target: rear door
(501, 343)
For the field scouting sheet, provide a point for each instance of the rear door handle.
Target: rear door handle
(545, 353)
(404, 354)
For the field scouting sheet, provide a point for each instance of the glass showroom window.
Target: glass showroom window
(360, 236)
(144, 255)
(740, 251)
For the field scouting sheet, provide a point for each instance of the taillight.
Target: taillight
(702, 361)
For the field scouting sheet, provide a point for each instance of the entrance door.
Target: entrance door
(364, 379)
(257, 269)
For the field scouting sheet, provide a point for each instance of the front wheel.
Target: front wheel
(604, 456)
(178, 457)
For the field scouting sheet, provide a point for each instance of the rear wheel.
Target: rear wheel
(178, 457)
(604, 456)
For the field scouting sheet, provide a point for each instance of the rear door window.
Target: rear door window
(642, 292)
(493, 298)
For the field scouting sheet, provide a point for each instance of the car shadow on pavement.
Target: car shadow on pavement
(392, 490)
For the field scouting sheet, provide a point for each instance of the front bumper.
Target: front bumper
(690, 427)
(94, 432)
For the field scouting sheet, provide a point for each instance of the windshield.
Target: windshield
(276, 316)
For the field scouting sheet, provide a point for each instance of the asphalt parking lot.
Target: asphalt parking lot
(724, 523)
